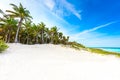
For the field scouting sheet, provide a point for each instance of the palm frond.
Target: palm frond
(1, 11)
(1, 24)
(12, 12)
(1, 19)
(21, 5)
(12, 15)
(14, 5)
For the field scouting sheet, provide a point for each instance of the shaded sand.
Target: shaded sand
(53, 62)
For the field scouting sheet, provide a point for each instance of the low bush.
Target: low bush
(3, 46)
(76, 45)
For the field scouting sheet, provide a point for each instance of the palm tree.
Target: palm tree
(8, 25)
(60, 34)
(53, 33)
(19, 12)
(26, 29)
(42, 26)
(36, 31)
(67, 40)
(47, 37)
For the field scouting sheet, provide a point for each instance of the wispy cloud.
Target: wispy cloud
(95, 28)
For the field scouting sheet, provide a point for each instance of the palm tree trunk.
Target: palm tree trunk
(27, 39)
(42, 36)
(9, 37)
(51, 38)
(37, 39)
(6, 38)
(19, 25)
(46, 39)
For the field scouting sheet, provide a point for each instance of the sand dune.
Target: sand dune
(53, 62)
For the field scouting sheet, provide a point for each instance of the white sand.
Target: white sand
(53, 62)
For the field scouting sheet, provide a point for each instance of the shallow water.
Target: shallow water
(111, 49)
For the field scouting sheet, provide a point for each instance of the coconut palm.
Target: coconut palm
(19, 12)
(54, 32)
(36, 32)
(60, 34)
(11, 25)
(42, 30)
(8, 25)
(47, 36)
(26, 30)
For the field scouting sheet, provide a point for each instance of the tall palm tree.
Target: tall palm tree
(19, 12)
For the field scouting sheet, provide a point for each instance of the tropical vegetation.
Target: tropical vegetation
(16, 26)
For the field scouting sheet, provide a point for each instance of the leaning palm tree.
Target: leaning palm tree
(19, 12)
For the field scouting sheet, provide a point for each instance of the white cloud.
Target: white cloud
(62, 8)
(104, 41)
(72, 9)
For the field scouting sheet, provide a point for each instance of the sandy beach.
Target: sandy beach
(54, 62)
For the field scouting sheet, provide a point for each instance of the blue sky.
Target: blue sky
(90, 22)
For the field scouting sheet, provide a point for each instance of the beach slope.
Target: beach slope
(54, 62)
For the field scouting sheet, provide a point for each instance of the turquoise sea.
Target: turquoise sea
(111, 49)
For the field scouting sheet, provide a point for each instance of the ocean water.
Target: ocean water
(111, 49)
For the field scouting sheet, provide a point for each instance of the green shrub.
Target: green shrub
(3, 46)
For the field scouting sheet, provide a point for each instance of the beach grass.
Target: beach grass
(79, 46)
(100, 51)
